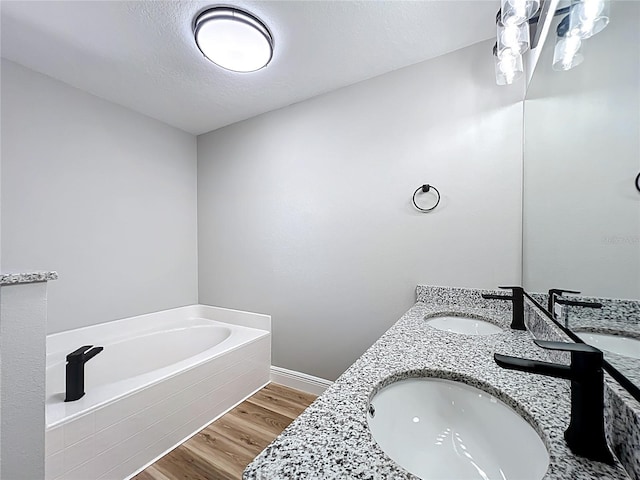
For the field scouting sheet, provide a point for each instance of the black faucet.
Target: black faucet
(552, 297)
(517, 297)
(585, 435)
(555, 296)
(75, 370)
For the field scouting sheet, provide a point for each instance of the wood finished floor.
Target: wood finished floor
(223, 449)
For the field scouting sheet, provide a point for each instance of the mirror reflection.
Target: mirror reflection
(581, 204)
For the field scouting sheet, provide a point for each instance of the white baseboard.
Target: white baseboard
(299, 380)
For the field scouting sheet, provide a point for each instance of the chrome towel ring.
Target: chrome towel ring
(425, 189)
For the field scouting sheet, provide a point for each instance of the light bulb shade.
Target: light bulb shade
(508, 67)
(515, 12)
(513, 37)
(588, 17)
(233, 39)
(567, 53)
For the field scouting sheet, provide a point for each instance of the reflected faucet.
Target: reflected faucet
(75, 371)
(552, 298)
(555, 297)
(517, 297)
(585, 435)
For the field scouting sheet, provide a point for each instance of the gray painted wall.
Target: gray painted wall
(103, 195)
(305, 213)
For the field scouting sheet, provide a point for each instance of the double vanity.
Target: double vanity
(428, 400)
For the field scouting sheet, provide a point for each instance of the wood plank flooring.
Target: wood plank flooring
(224, 449)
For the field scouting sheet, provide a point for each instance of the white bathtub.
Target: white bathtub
(160, 378)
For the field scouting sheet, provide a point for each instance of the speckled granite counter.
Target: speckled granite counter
(331, 439)
(31, 277)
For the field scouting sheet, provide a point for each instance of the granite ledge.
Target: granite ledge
(30, 277)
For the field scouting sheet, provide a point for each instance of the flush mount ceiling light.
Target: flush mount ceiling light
(233, 39)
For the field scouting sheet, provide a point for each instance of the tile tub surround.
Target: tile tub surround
(331, 438)
(31, 277)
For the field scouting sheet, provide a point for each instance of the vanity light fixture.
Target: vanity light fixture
(512, 36)
(508, 66)
(233, 39)
(588, 17)
(516, 12)
(567, 53)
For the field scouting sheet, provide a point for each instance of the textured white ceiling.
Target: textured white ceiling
(141, 54)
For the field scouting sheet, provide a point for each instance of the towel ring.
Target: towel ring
(425, 189)
(638, 182)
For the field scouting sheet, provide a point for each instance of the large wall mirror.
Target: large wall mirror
(581, 202)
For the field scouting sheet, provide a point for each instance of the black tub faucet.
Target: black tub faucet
(585, 435)
(75, 371)
(517, 297)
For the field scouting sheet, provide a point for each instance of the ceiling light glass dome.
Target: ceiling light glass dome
(233, 39)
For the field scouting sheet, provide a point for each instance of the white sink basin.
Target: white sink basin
(440, 429)
(626, 346)
(466, 325)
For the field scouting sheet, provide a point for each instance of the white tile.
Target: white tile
(78, 429)
(54, 465)
(109, 437)
(86, 471)
(116, 473)
(101, 465)
(79, 453)
(117, 411)
(54, 440)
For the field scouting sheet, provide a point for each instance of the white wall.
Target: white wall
(582, 154)
(103, 195)
(305, 213)
(23, 314)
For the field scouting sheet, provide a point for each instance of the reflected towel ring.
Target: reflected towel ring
(638, 182)
(425, 189)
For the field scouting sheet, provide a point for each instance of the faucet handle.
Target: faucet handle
(78, 354)
(512, 288)
(560, 291)
(586, 361)
(578, 303)
(552, 297)
(567, 346)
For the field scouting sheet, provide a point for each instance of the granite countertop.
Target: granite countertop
(30, 277)
(331, 438)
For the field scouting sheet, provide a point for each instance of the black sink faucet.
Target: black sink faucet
(75, 371)
(585, 435)
(517, 297)
(555, 296)
(556, 292)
